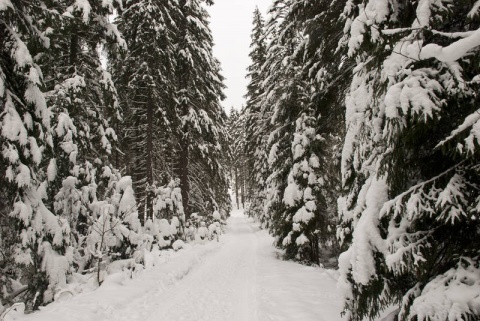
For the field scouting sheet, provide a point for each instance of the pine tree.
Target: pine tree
(256, 124)
(300, 113)
(25, 139)
(144, 76)
(410, 160)
(200, 120)
(319, 129)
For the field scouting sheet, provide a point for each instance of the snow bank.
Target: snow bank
(124, 287)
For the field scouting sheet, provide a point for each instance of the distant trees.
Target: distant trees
(237, 163)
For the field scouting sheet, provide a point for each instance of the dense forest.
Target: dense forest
(113, 137)
(358, 146)
(362, 136)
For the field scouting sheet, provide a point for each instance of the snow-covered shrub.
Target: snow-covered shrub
(168, 217)
(202, 232)
(202, 227)
(214, 231)
(168, 202)
(115, 231)
(178, 244)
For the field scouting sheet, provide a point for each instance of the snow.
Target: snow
(178, 244)
(238, 278)
(12, 125)
(81, 5)
(292, 193)
(474, 11)
(4, 4)
(472, 121)
(23, 177)
(452, 52)
(359, 258)
(450, 296)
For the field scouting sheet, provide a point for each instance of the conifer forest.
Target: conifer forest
(356, 155)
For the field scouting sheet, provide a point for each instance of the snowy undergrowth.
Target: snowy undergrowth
(82, 300)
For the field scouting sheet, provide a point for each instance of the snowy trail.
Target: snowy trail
(222, 288)
(239, 278)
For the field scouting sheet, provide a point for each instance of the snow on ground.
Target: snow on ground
(238, 278)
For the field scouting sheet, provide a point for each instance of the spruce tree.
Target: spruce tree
(199, 118)
(144, 76)
(26, 137)
(410, 160)
(301, 117)
(256, 124)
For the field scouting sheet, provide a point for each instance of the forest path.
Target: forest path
(223, 287)
(245, 281)
(239, 278)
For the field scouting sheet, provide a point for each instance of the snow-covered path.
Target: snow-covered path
(238, 278)
(221, 288)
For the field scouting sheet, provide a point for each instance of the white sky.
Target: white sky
(231, 24)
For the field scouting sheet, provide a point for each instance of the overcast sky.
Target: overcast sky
(231, 24)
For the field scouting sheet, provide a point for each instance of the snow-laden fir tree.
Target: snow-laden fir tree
(410, 160)
(327, 72)
(83, 100)
(256, 124)
(85, 106)
(26, 135)
(200, 121)
(304, 125)
(281, 103)
(300, 195)
(62, 150)
(144, 76)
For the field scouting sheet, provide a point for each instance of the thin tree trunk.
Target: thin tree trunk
(73, 50)
(236, 187)
(149, 200)
(183, 174)
(242, 180)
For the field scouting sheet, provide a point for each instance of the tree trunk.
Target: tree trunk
(183, 175)
(242, 185)
(149, 165)
(236, 187)
(73, 50)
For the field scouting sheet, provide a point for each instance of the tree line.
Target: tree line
(110, 124)
(361, 137)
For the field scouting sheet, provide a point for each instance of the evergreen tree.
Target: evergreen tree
(199, 118)
(237, 159)
(300, 116)
(256, 124)
(26, 138)
(144, 77)
(410, 160)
